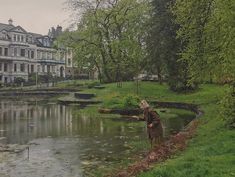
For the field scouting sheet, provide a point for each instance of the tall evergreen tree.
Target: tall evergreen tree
(164, 47)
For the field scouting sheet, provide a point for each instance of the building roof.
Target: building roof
(6, 27)
(38, 39)
(35, 35)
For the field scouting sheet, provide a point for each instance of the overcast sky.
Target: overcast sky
(36, 16)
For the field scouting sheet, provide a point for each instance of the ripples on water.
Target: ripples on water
(64, 143)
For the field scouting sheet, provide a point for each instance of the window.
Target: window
(38, 68)
(43, 68)
(15, 51)
(5, 67)
(54, 56)
(69, 62)
(0, 50)
(61, 56)
(6, 51)
(38, 55)
(22, 52)
(48, 68)
(0, 67)
(53, 68)
(22, 67)
(32, 68)
(14, 37)
(18, 38)
(15, 67)
(32, 54)
(44, 55)
(30, 40)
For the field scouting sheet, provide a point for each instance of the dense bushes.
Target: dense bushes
(228, 109)
(19, 80)
(93, 84)
(131, 101)
(126, 102)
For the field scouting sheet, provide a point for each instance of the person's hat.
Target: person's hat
(144, 104)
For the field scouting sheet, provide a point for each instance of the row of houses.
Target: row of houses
(23, 53)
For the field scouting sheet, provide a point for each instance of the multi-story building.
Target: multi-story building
(23, 53)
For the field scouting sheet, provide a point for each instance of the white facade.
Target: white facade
(23, 53)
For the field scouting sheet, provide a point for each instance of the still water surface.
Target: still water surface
(67, 143)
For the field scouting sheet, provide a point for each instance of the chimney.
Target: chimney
(59, 29)
(10, 21)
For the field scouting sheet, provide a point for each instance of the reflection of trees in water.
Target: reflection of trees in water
(25, 121)
(176, 124)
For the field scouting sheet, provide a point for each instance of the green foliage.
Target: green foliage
(93, 84)
(228, 109)
(181, 85)
(114, 103)
(131, 101)
(110, 36)
(32, 78)
(45, 78)
(164, 47)
(210, 153)
(128, 101)
(19, 80)
(207, 30)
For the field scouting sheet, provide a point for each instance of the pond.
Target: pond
(68, 141)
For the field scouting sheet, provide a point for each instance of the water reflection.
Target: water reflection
(69, 142)
(24, 121)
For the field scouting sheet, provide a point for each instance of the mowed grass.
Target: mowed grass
(211, 153)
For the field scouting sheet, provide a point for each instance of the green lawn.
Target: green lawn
(210, 153)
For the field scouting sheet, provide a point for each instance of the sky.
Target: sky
(36, 16)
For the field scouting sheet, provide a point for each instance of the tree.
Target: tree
(164, 47)
(19, 81)
(111, 36)
(208, 31)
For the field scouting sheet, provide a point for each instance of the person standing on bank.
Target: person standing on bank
(154, 125)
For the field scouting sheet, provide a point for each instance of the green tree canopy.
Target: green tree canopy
(111, 36)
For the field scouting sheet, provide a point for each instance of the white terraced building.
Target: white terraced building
(23, 53)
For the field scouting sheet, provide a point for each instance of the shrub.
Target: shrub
(131, 101)
(181, 86)
(228, 109)
(32, 78)
(114, 103)
(93, 84)
(126, 102)
(19, 80)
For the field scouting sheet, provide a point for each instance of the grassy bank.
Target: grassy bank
(210, 153)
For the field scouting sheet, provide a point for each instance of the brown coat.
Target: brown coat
(156, 131)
